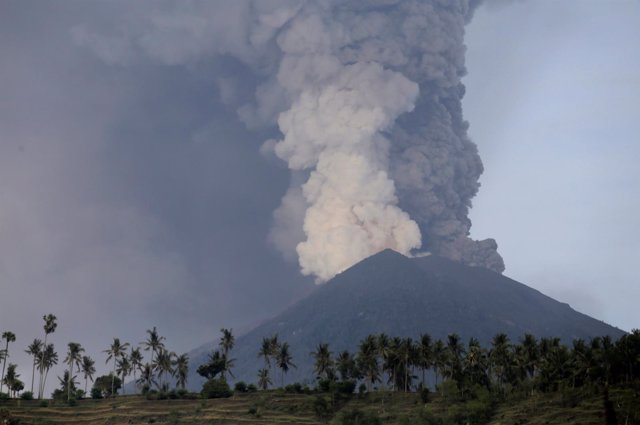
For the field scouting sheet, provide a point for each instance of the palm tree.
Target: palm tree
(135, 358)
(500, 357)
(475, 364)
(123, 369)
(115, 351)
(425, 355)
(8, 336)
(146, 376)
(455, 351)
(182, 370)
(50, 325)
(48, 359)
(367, 360)
(73, 358)
(284, 360)
(439, 358)
(384, 350)
(34, 350)
(323, 363)
(153, 343)
(11, 378)
(164, 365)
(266, 351)
(263, 379)
(88, 369)
(346, 365)
(227, 341)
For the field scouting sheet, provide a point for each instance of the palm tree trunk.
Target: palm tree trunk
(69, 382)
(33, 373)
(40, 384)
(113, 376)
(4, 363)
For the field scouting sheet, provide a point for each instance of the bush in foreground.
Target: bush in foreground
(216, 388)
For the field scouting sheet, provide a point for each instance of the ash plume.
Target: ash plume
(375, 115)
(365, 99)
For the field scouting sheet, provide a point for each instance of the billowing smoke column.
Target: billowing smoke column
(374, 118)
(367, 100)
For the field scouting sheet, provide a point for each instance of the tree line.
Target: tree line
(381, 362)
(126, 360)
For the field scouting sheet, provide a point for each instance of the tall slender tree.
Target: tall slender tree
(50, 325)
(123, 369)
(34, 350)
(227, 341)
(11, 380)
(48, 359)
(284, 361)
(425, 355)
(74, 358)
(8, 336)
(136, 359)
(153, 342)
(163, 364)
(367, 360)
(263, 379)
(115, 351)
(182, 370)
(323, 362)
(88, 369)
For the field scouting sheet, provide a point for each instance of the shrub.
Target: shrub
(424, 395)
(4, 396)
(359, 417)
(216, 388)
(27, 395)
(362, 389)
(241, 387)
(345, 387)
(322, 408)
(252, 388)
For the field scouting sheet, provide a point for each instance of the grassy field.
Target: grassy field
(274, 407)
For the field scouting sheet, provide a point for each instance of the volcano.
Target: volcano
(390, 293)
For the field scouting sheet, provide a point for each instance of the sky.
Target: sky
(132, 195)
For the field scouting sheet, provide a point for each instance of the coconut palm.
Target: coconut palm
(182, 370)
(50, 325)
(34, 350)
(147, 377)
(227, 341)
(135, 358)
(48, 359)
(439, 359)
(163, 364)
(123, 369)
(263, 379)
(367, 360)
(153, 342)
(11, 378)
(88, 369)
(425, 355)
(266, 351)
(115, 351)
(8, 336)
(284, 360)
(323, 363)
(346, 366)
(73, 358)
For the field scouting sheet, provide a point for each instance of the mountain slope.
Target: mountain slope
(390, 293)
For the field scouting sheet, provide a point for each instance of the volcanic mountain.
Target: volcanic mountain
(390, 293)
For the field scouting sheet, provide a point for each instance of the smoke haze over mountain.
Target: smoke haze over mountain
(366, 98)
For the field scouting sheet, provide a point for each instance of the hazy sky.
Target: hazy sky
(131, 195)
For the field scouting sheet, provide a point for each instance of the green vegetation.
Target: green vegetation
(399, 381)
